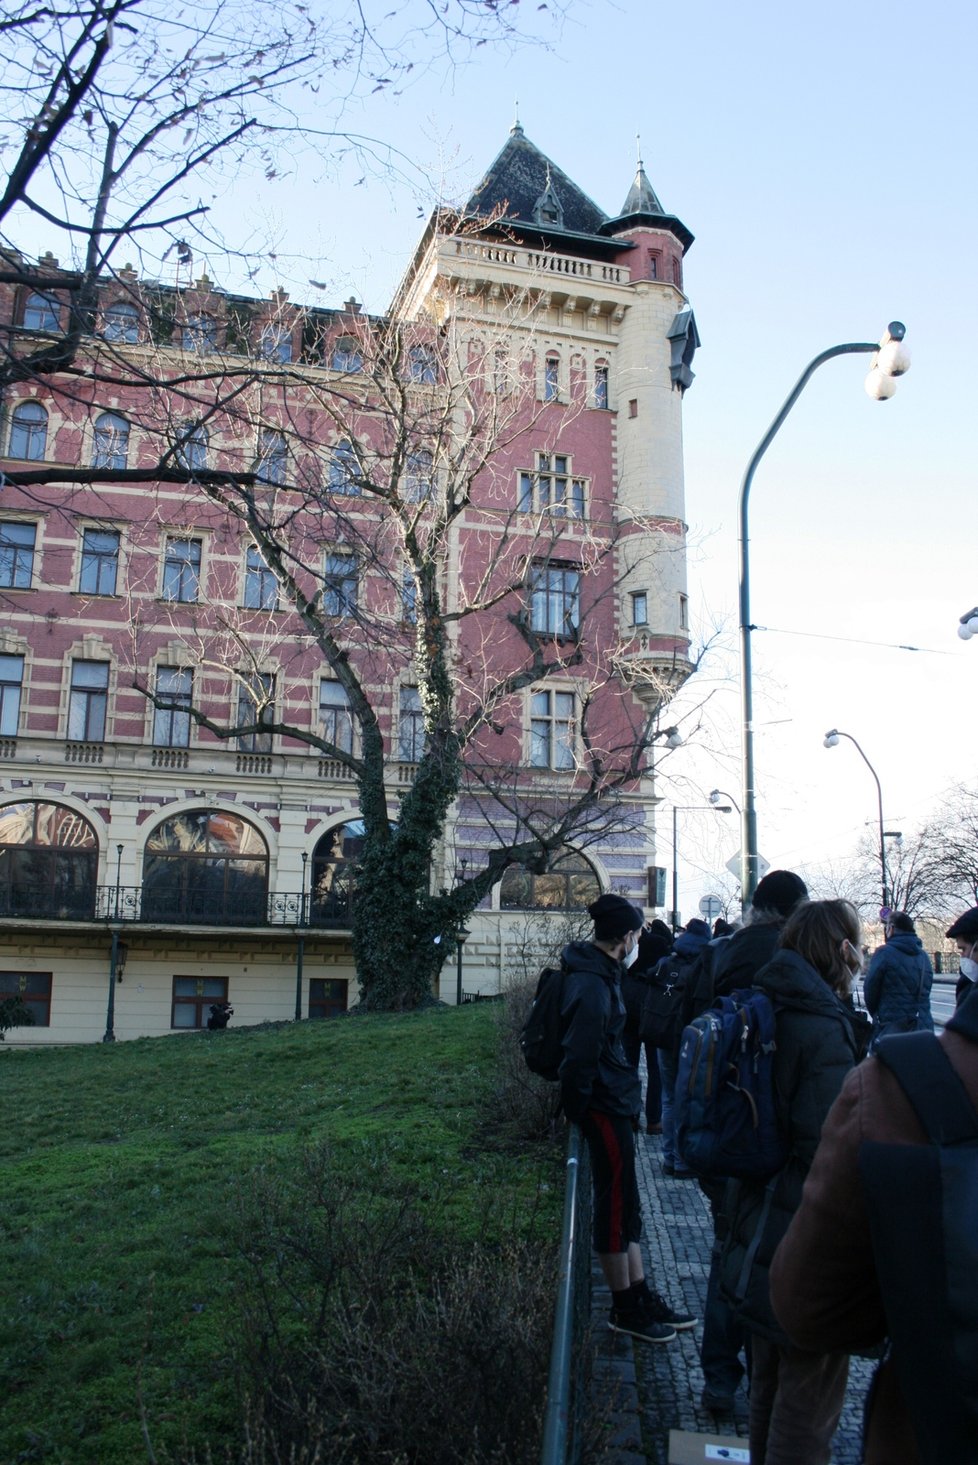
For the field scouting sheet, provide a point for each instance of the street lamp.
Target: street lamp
(718, 794)
(890, 359)
(685, 809)
(968, 624)
(831, 740)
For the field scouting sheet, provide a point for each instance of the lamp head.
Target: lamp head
(831, 739)
(673, 737)
(968, 624)
(893, 358)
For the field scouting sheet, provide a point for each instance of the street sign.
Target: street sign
(733, 865)
(710, 907)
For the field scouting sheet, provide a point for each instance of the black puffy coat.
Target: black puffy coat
(816, 1048)
(897, 986)
(594, 1072)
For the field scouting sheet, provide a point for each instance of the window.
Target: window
(48, 862)
(11, 682)
(193, 998)
(16, 555)
(684, 612)
(652, 272)
(640, 608)
(171, 724)
(346, 355)
(28, 432)
(192, 448)
(33, 989)
(255, 699)
(552, 488)
(99, 562)
(410, 726)
(418, 477)
(111, 444)
(555, 600)
(199, 334)
(42, 312)
(409, 596)
(334, 869)
(121, 323)
(206, 867)
(181, 570)
(327, 996)
(343, 469)
(552, 730)
(273, 456)
(261, 586)
(551, 379)
(569, 885)
(276, 343)
(88, 701)
(335, 717)
(423, 365)
(340, 584)
(633, 406)
(601, 387)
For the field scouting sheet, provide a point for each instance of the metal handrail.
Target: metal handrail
(558, 1424)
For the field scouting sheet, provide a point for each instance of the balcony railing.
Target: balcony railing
(137, 904)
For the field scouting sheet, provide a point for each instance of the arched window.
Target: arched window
(192, 447)
(334, 866)
(28, 432)
(121, 323)
(42, 312)
(346, 355)
(199, 334)
(48, 862)
(423, 365)
(205, 868)
(569, 885)
(343, 469)
(111, 445)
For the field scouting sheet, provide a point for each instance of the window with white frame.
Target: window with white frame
(555, 600)
(423, 365)
(11, 686)
(273, 456)
(199, 334)
(171, 723)
(409, 596)
(552, 729)
(260, 586)
(17, 543)
(192, 447)
(276, 343)
(181, 570)
(121, 323)
(344, 471)
(88, 701)
(601, 387)
(346, 355)
(28, 432)
(99, 561)
(339, 583)
(42, 312)
(551, 379)
(418, 476)
(335, 716)
(256, 697)
(552, 488)
(640, 608)
(410, 726)
(110, 444)
(684, 612)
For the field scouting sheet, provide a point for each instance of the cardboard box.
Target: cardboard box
(706, 1449)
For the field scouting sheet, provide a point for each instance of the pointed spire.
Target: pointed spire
(517, 127)
(641, 196)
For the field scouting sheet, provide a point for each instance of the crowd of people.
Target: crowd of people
(806, 1263)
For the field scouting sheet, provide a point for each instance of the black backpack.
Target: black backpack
(541, 1038)
(922, 1202)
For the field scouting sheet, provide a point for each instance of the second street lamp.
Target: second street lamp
(831, 740)
(685, 809)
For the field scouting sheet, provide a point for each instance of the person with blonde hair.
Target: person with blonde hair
(795, 1396)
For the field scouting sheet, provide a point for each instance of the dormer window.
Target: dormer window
(548, 209)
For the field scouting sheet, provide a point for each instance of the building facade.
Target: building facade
(179, 805)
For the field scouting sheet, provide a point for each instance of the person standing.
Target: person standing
(796, 1397)
(964, 934)
(676, 969)
(654, 942)
(601, 1091)
(898, 982)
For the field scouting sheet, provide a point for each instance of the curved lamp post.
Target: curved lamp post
(685, 809)
(890, 359)
(718, 794)
(831, 740)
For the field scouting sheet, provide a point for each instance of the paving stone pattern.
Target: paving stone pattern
(657, 1387)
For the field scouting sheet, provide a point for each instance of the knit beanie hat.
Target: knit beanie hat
(614, 917)
(965, 926)
(696, 927)
(780, 891)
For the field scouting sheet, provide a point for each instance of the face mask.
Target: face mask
(853, 959)
(630, 957)
(969, 967)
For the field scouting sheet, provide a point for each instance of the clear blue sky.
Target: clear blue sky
(824, 159)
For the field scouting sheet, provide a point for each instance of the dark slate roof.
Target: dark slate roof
(518, 179)
(641, 196)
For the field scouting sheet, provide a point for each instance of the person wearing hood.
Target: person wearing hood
(796, 1396)
(601, 1091)
(677, 967)
(654, 943)
(964, 934)
(898, 982)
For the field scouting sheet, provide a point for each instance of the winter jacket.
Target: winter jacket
(824, 1287)
(635, 981)
(897, 986)
(685, 953)
(815, 1050)
(742, 957)
(594, 1072)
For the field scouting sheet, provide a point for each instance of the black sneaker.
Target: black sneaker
(657, 1310)
(636, 1322)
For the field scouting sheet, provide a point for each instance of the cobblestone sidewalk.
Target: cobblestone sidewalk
(658, 1388)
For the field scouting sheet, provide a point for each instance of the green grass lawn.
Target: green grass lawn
(125, 1169)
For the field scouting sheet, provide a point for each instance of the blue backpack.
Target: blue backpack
(725, 1117)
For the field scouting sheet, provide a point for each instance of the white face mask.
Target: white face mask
(630, 957)
(969, 967)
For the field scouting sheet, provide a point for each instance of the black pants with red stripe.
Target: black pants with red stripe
(617, 1208)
